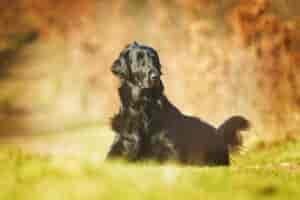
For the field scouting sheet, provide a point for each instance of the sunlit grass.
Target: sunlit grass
(27, 171)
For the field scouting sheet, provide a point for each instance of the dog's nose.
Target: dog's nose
(154, 76)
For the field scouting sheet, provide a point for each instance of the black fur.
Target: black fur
(148, 126)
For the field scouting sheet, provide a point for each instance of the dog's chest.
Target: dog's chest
(146, 116)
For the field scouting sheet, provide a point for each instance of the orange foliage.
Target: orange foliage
(21, 15)
(278, 56)
(193, 4)
(245, 17)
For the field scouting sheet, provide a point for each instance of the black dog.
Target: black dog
(148, 126)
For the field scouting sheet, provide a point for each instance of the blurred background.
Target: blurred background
(219, 58)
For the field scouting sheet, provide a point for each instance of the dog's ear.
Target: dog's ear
(119, 68)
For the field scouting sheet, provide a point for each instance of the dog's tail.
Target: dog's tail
(230, 131)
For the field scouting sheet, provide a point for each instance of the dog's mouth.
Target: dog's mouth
(153, 82)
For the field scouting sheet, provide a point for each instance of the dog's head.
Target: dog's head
(138, 65)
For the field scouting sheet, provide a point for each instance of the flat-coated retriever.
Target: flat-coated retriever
(148, 126)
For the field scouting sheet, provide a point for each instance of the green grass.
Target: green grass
(37, 168)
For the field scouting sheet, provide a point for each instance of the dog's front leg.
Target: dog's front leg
(163, 149)
(126, 147)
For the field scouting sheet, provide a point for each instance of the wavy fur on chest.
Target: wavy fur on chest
(138, 122)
